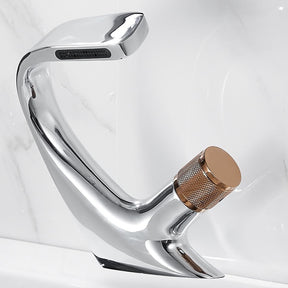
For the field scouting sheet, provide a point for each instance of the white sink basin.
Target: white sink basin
(24, 264)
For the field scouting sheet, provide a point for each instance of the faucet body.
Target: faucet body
(151, 231)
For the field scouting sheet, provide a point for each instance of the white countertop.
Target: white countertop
(25, 264)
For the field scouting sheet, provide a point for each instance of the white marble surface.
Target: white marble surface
(209, 73)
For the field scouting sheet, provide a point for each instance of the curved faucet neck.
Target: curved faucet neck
(151, 231)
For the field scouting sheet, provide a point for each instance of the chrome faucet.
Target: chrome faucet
(151, 232)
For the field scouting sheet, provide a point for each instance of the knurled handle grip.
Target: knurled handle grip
(207, 179)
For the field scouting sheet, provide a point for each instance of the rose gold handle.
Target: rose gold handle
(207, 179)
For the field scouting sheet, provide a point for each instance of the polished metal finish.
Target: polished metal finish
(151, 232)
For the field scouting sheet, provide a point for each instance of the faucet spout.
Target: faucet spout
(150, 231)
